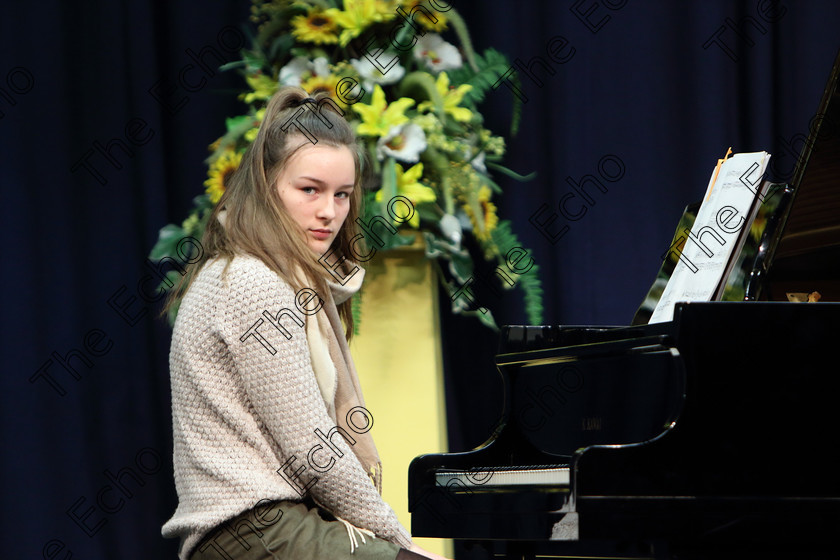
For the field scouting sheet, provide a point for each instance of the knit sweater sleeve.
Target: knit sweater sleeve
(279, 381)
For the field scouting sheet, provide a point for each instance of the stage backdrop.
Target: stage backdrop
(106, 109)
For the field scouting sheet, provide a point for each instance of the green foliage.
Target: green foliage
(529, 282)
(491, 66)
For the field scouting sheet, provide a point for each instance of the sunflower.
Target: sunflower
(317, 26)
(329, 84)
(220, 172)
(482, 213)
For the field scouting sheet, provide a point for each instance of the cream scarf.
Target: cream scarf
(339, 384)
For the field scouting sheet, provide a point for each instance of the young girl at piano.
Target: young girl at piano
(273, 456)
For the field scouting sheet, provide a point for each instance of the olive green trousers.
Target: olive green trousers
(288, 530)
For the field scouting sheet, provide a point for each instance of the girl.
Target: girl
(272, 452)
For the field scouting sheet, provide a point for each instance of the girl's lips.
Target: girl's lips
(320, 234)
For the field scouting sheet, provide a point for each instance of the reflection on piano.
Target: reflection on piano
(711, 435)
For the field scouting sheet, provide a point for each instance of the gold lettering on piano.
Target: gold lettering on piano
(591, 424)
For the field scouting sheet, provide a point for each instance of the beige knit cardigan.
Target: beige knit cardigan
(240, 412)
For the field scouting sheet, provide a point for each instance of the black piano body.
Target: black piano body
(719, 431)
(715, 434)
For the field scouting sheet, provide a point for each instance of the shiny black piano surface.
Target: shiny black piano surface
(719, 431)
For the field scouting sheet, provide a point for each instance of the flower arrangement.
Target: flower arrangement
(412, 98)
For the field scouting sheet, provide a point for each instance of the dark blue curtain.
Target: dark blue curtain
(106, 110)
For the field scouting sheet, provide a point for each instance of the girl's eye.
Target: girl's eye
(343, 194)
(308, 190)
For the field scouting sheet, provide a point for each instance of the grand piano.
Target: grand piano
(713, 435)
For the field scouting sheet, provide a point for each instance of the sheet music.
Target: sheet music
(731, 197)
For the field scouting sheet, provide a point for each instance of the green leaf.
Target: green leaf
(233, 123)
(390, 241)
(461, 305)
(389, 179)
(233, 65)
(492, 184)
(459, 261)
(202, 202)
(428, 212)
(510, 173)
(168, 239)
(236, 127)
(281, 47)
(464, 36)
(486, 318)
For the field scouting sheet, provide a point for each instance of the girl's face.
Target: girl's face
(315, 187)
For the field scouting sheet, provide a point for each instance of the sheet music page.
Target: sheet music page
(708, 247)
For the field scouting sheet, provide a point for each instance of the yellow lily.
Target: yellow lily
(357, 15)
(451, 98)
(409, 186)
(251, 134)
(379, 117)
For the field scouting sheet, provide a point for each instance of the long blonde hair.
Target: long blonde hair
(256, 221)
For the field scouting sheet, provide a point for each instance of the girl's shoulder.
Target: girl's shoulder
(250, 273)
(242, 271)
(237, 282)
(232, 290)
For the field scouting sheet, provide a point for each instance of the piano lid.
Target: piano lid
(809, 237)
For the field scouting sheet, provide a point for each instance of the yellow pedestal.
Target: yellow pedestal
(398, 357)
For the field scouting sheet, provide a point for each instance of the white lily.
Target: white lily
(478, 162)
(291, 73)
(437, 54)
(371, 75)
(450, 226)
(404, 142)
